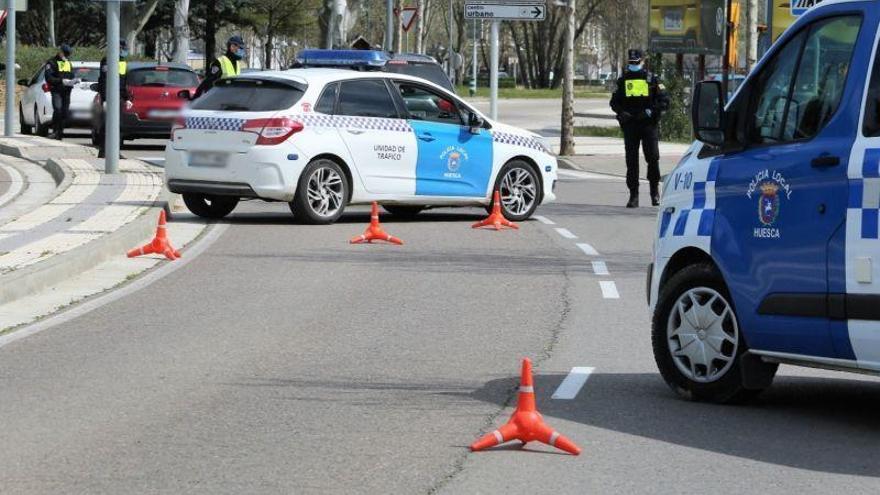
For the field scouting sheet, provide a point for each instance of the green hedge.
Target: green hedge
(503, 82)
(31, 58)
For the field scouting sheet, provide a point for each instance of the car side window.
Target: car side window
(773, 87)
(821, 76)
(37, 76)
(871, 125)
(327, 101)
(366, 98)
(423, 104)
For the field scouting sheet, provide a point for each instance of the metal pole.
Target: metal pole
(111, 119)
(52, 23)
(331, 26)
(450, 66)
(8, 130)
(474, 64)
(725, 64)
(493, 72)
(389, 24)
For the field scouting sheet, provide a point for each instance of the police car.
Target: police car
(321, 139)
(768, 238)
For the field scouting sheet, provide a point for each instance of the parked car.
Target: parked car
(35, 110)
(157, 93)
(411, 64)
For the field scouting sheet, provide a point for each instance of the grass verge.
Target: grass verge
(523, 93)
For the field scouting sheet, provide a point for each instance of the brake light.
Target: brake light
(179, 123)
(46, 88)
(272, 131)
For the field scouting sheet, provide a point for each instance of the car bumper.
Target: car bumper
(133, 126)
(265, 172)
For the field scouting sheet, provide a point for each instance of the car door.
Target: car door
(781, 200)
(380, 142)
(451, 160)
(30, 97)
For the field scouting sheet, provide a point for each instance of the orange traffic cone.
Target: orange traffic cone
(375, 232)
(496, 219)
(526, 424)
(159, 245)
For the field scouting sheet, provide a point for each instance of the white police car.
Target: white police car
(320, 139)
(768, 237)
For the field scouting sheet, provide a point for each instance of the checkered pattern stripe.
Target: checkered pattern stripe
(516, 140)
(698, 209)
(345, 121)
(214, 123)
(864, 196)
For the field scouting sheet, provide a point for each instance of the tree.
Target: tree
(181, 31)
(133, 17)
(272, 18)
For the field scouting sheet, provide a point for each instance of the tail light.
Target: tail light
(179, 123)
(46, 88)
(272, 131)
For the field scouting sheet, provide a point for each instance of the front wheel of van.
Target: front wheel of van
(321, 194)
(697, 340)
(210, 206)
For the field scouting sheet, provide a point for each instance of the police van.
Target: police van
(323, 138)
(768, 237)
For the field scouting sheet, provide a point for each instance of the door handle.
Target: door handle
(825, 161)
(426, 137)
(356, 132)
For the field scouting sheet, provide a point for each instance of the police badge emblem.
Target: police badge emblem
(768, 203)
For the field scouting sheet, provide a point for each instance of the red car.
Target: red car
(153, 91)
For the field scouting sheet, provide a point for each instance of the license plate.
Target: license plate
(208, 159)
(82, 115)
(162, 114)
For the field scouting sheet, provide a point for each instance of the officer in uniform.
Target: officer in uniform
(59, 76)
(228, 65)
(123, 90)
(639, 101)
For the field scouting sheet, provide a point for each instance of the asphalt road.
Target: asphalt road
(283, 359)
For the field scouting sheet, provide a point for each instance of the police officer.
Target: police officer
(59, 76)
(123, 90)
(228, 65)
(638, 101)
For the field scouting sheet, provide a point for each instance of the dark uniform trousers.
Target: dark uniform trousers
(60, 108)
(643, 132)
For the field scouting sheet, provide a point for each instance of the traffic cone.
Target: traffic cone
(159, 245)
(526, 424)
(375, 232)
(496, 218)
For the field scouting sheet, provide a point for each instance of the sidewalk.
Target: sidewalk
(604, 155)
(50, 243)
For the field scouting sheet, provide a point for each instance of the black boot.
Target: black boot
(655, 194)
(633, 199)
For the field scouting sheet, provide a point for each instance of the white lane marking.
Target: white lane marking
(588, 249)
(544, 220)
(191, 253)
(577, 174)
(566, 233)
(609, 289)
(573, 383)
(600, 268)
(15, 187)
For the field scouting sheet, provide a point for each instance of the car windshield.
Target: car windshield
(87, 74)
(162, 77)
(429, 72)
(248, 95)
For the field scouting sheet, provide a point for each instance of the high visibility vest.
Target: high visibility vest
(64, 66)
(123, 67)
(227, 68)
(636, 88)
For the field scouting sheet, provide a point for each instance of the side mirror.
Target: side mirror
(94, 87)
(184, 94)
(707, 113)
(23, 82)
(475, 122)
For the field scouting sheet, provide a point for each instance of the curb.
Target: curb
(42, 153)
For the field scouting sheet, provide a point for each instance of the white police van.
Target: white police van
(768, 237)
(322, 138)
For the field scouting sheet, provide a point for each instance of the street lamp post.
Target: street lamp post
(8, 130)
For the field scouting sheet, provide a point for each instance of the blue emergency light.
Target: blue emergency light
(342, 58)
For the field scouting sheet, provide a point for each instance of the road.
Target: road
(283, 359)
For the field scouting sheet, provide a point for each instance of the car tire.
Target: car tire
(404, 211)
(26, 130)
(699, 287)
(210, 206)
(322, 193)
(39, 128)
(520, 189)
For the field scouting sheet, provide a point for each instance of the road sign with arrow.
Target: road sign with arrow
(505, 10)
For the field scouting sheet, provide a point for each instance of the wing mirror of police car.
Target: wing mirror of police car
(184, 94)
(475, 122)
(23, 82)
(707, 113)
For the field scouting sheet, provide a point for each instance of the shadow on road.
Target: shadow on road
(819, 424)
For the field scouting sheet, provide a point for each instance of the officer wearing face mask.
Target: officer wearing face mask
(638, 102)
(228, 65)
(59, 77)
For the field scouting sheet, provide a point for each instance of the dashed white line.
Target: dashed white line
(573, 383)
(588, 249)
(609, 289)
(544, 220)
(600, 268)
(566, 233)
